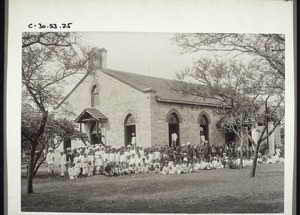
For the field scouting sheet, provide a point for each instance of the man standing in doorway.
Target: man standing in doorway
(174, 139)
(133, 140)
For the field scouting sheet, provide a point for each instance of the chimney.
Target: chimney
(97, 59)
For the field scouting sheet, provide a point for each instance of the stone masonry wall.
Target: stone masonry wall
(116, 101)
(189, 128)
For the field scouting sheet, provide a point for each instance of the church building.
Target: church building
(112, 105)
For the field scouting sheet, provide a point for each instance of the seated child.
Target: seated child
(184, 166)
(172, 168)
(203, 164)
(138, 168)
(197, 165)
(108, 169)
(144, 167)
(190, 167)
(157, 167)
(115, 169)
(125, 169)
(151, 167)
(72, 172)
(131, 168)
(178, 168)
(166, 169)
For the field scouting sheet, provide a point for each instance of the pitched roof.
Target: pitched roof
(163, 88)
(91, 112)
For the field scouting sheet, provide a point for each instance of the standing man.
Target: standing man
(62, 163)
(174, 139)
(50, 161)
(69, 159)
(133, 140)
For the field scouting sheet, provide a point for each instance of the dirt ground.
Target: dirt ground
(207, 191)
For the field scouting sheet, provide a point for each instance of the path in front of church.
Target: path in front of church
(207, 191)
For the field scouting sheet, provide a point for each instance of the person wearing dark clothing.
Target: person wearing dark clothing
(108, 170)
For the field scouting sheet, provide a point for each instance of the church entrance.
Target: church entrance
(173, 127)
(129, 128)
(95, 132)
(204, 128)
(229, 137)
(66, 143)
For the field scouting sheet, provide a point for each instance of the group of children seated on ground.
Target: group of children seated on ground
(109, 161)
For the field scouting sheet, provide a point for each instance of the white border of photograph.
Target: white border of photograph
(205, 16)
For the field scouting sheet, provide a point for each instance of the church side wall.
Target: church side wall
(189, 127)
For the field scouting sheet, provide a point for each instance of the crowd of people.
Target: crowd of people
(132, 159)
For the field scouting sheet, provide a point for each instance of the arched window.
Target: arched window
(130, 120)
(203, 120)
(173, 119)
(95, 96)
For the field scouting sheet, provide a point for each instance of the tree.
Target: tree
(266, 51)
(48, 59)
(247, 77)
(55, 132)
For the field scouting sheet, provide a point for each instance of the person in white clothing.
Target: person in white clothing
(133, 140)
(112, 156)
(72, 171)
(77, 164)
(174, 139)
(90, 159)
(98, 160)
(50, 162)
(118, 155)
(84, 165)
(62, 163)
(157, 154)
(166, 169)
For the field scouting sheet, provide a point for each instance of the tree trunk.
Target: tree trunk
(241, 152)
(254, 160)
(30, 173)
(241, 157)
(38, 166)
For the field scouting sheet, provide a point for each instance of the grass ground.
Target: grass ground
(208, 191)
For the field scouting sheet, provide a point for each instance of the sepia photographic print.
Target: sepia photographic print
(128, 106)
(200, 130)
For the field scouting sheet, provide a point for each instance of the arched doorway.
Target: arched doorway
(173, 122)
(95, 133)
(129, 128)
(204, 127)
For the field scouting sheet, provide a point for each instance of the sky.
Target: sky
(151, 54)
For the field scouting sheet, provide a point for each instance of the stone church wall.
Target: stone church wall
(116, 101)
(189, 127)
